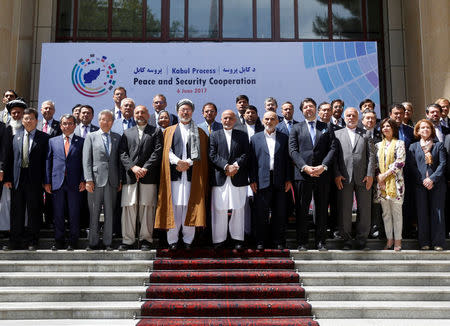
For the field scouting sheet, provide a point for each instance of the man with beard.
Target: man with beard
(184, 178)
(140, 153)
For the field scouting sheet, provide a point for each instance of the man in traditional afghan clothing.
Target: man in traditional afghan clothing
(184, 178)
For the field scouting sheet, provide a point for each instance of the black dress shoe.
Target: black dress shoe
(32, 248)
(124, 247)
(279, 247)
(6, 248)
(238, 246)
(260, 246)
(109, 248)
(219, 246)
(321, 246)
(302, 248)
(70, 248)
(92, 248)
(145, 245)
(173, 246)
(347, 247)
(187, 246)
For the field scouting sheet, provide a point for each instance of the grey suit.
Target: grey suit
(103, 169)
(354, 163)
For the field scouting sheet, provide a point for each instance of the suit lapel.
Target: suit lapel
(224, 141)
(306, 133)
(277, 142)
(264, 142)
(34, 143)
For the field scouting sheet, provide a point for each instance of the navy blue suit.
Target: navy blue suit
(281, 126)
(270, 194)
(303, 152)
(430, 204)
(65, 174)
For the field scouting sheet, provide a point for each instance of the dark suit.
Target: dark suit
(65, 175)
(332, 222)
(220, 157)
(270, 195)
(145, 152)
(78, 132)
(243, 127)
(53, 130)
(406, 133)
(152, 120)
(281, 126)
(26, 192)
(430, 204)
(304, 153)
(447, 175)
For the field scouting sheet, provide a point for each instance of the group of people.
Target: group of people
(239, 178)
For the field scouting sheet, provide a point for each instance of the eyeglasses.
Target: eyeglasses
(158, 102)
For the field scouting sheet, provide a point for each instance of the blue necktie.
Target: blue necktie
(106, 142)
(289, 126)
(312, 132)
(119, 114)
(401, 136)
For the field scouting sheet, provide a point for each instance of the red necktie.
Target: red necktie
(44, 129)
(67, 145)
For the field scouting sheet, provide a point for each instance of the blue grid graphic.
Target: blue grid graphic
(347, 70)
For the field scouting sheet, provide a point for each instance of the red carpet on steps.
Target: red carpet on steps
(219, 288)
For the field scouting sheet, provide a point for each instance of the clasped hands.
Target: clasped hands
(314, 171)
(139, 172)
(182, 166)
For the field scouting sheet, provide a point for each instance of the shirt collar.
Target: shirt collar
(32, 132)
(272, 135)
(70, 136)
(49, 122)
(229, 131)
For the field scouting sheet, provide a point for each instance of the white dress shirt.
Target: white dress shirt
(270, 140)
(352, 135)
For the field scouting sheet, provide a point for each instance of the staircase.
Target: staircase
(343, 288)
(208, 287)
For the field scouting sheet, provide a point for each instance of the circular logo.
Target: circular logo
(93, 76)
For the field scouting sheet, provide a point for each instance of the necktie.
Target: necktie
(289, 126)
(401, 136)
(209, 129)
(312, 131)
(25, 145)
(84, 131)
(242, 119)
(106, 142)
(45, 128)
(119, 114)
(130, 124)
(67, 145)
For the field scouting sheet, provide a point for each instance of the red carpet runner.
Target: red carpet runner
(211, 288)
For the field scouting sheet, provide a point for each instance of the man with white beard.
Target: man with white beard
(184, 178)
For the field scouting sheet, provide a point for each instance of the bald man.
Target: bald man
(354, 171)
(270, 177)
(228, 152)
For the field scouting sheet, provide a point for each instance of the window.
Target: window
(218, 20)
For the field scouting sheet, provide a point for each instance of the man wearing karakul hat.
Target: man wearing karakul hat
(184, 178)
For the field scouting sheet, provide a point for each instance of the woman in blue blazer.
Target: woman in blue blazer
(427, 160)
